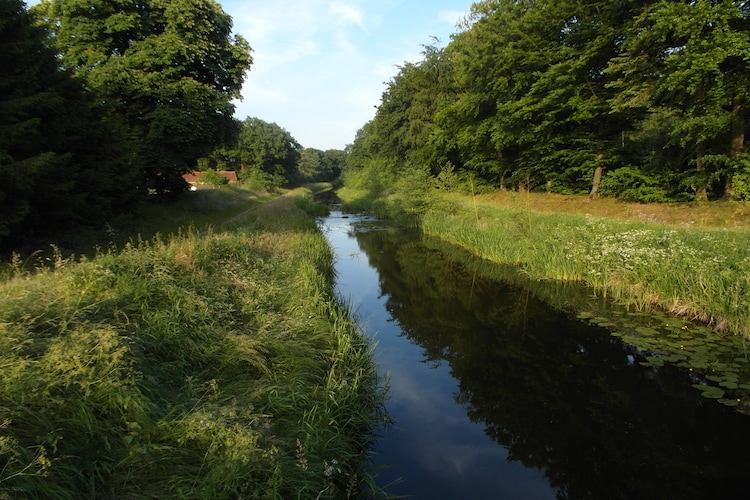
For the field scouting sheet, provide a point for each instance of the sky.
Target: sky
(320, 66)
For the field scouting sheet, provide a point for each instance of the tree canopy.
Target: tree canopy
(61, 162)
(644, 98)
(320, 166)
(168, 69)
(103, 101)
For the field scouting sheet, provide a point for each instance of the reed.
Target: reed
(210, 364)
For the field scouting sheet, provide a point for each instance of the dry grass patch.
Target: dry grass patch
(716, 214)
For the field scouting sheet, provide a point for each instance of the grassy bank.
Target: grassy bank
(691, 260)
(212, 364)
(199, 209)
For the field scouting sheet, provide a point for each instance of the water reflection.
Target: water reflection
(476, 362)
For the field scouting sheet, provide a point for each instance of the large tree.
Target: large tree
(560, 94)
(60, 163)
(320, 166)
(534, 96)
(269, 149)
(169, 68)
(692, 58)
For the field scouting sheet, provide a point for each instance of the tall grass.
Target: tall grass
(212, 364)
(700, 273)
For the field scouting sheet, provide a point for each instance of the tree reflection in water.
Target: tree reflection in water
(559, 394)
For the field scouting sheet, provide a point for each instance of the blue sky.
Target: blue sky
(320, 65)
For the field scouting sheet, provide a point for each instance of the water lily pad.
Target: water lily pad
(714, 378)
(644, 330)
(585, 315)
(701, 329)
(673, 322)
(651, 364)
(674, 358)
(728, 385)
(638, 314)
(729, 402)
(712, 393)
(654, 361)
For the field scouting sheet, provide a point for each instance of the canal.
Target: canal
(499, 389)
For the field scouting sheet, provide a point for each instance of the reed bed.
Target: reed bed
(703, 274)
(213, 364)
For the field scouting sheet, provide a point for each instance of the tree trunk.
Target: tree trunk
(701, 193)
(597, 177)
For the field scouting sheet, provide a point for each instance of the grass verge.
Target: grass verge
(646, 256)
(211, 364)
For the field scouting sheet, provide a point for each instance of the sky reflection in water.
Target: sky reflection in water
(497, 395)
(432, 448)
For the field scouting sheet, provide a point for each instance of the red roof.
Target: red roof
(192, 177)
(229, 174)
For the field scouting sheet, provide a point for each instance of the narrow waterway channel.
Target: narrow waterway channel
(497, 394)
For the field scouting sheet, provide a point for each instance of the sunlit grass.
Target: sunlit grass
(700, 273)
(705, 215)
(211, 364)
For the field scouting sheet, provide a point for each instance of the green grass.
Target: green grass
(691, 260)
(210, 364)
(700, 273)
(197, 209)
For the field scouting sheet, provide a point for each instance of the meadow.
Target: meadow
(212, 363)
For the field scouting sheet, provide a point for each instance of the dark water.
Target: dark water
(497, 394)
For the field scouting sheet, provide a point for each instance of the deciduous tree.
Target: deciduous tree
(692, 58)
(269, 148)
(169, 68)
(61, 163)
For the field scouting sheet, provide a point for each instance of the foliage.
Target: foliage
(631, 184)
(550, 95)
(167, 69)
(266, 147)
(214, 178)
(61, 163)
(210, 365)
(320, 166)
(742, 177)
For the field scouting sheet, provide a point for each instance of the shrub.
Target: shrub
(630, 184)
(214, 178)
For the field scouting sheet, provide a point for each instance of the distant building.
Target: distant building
(196, 178)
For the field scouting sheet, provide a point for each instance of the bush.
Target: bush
(741, 179)
(214, 178)
(630, 184)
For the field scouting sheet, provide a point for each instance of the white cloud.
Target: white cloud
(349, 13)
